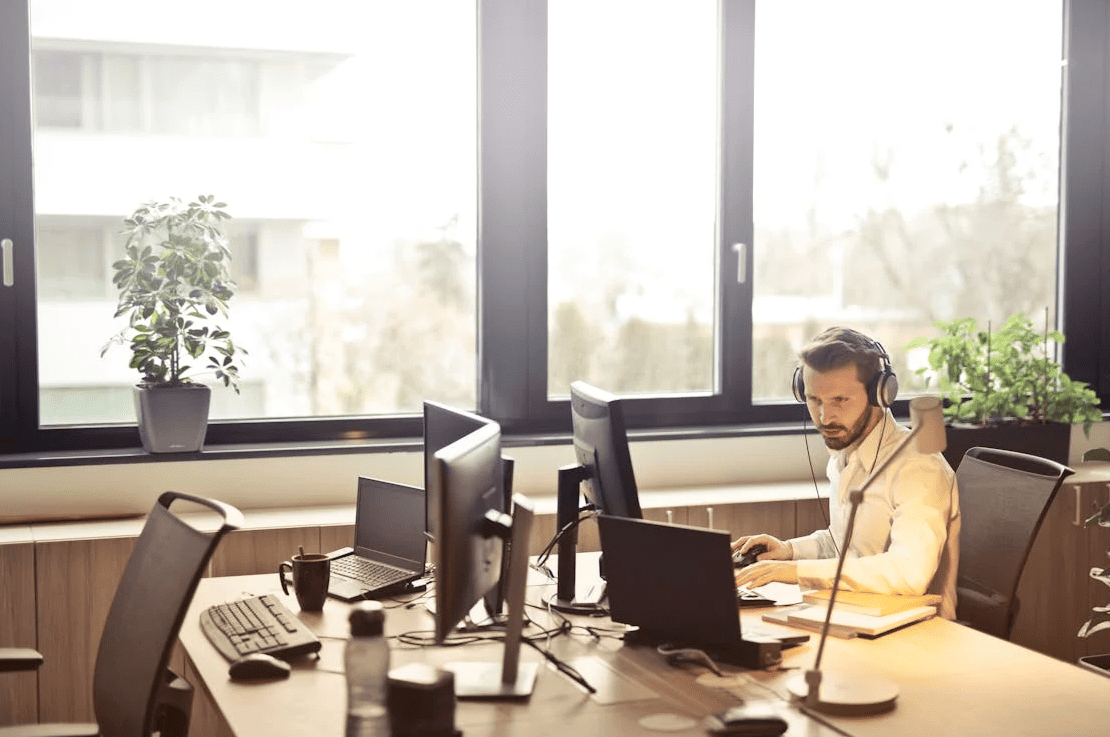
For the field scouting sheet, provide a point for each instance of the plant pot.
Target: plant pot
(172, 419)
(1098, 663)
(1050, 440)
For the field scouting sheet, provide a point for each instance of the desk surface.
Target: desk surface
(952, 681)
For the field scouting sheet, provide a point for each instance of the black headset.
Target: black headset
(882, 390)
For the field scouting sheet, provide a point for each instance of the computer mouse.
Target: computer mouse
(257, 666)
(747, 720)
(742, 561)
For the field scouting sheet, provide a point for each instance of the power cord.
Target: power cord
(585, 512)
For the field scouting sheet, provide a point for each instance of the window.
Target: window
(906, 171)
(481, 203)
(632, 180)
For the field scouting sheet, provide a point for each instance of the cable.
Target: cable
(486, 633)
(816, 489)
(813, 474)
(563, 667)
(541, 559)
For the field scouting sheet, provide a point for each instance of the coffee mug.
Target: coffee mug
(311, 574)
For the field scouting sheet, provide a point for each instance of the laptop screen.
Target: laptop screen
(389, 523)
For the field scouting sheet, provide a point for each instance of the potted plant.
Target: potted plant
(998, 386)
(174, 281)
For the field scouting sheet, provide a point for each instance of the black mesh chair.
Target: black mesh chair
(135, 694)
(1003, 499)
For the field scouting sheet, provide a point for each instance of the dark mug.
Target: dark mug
(311, 575)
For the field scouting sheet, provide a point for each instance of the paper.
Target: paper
(783, 594)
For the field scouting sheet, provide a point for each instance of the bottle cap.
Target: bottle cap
(367, 619)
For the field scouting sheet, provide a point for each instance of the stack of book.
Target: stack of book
(857, 613)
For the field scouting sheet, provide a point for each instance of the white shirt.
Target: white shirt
(907, 529)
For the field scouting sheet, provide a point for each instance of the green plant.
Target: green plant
(173, 280)
(1005, 376)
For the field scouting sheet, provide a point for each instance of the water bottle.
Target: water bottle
(367, 665)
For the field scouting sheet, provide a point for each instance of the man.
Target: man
(906, 537)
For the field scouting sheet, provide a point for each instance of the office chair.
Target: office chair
(1004, 496)
(134, 692)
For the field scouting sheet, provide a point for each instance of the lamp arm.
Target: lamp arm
(855, 497)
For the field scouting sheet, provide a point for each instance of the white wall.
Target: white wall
(131, 488)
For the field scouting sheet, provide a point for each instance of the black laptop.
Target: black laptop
(676, 584)
(389, 547)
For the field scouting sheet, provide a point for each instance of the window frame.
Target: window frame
(512, 258)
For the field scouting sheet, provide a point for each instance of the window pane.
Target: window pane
(906, 170)
(341, 135)
(632, 149)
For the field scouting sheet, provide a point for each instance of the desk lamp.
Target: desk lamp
(856, 695)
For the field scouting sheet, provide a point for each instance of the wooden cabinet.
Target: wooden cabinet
(18, 691)
(1056, 592)
(76, 581)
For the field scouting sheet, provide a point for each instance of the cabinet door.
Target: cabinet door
(1098, 593)
(747, 518)
(19, 704)
(1056, 592)
(77, 581)
(246, 552)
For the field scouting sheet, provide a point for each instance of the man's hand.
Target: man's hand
(767, 571)
(776, 549)
(773, 565)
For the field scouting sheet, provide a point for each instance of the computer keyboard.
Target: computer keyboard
(257, 624)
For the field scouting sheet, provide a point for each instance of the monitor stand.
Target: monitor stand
(510, 679)
(566, 520)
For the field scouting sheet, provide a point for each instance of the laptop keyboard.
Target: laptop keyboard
(367, 571)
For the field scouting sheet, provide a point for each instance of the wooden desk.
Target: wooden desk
(952, 681)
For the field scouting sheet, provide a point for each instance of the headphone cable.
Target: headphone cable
(816, 488)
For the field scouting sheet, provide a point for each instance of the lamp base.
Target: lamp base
(845, 694)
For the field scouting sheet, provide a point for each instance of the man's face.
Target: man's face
(837, 402)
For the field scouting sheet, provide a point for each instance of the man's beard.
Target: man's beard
(850, 437)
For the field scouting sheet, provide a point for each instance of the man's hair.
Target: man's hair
(836, 347)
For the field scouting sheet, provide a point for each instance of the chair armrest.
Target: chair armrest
(19, 659)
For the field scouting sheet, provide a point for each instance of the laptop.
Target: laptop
(675, 583)
(389, 545)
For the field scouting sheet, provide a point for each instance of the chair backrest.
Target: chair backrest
(157, 586)
(1004, 496)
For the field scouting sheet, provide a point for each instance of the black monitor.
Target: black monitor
(468, 527)
(601, 447)
(444, 425)
(603, 471)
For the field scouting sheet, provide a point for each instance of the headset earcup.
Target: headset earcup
(886, 389)
(798, 385)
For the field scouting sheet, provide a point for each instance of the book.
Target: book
(877, 605)
(782, 617)
(867, 625)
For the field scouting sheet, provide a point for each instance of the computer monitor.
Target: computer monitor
(601, 447)
(603, 471)
(444, 425)
(468, 526)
